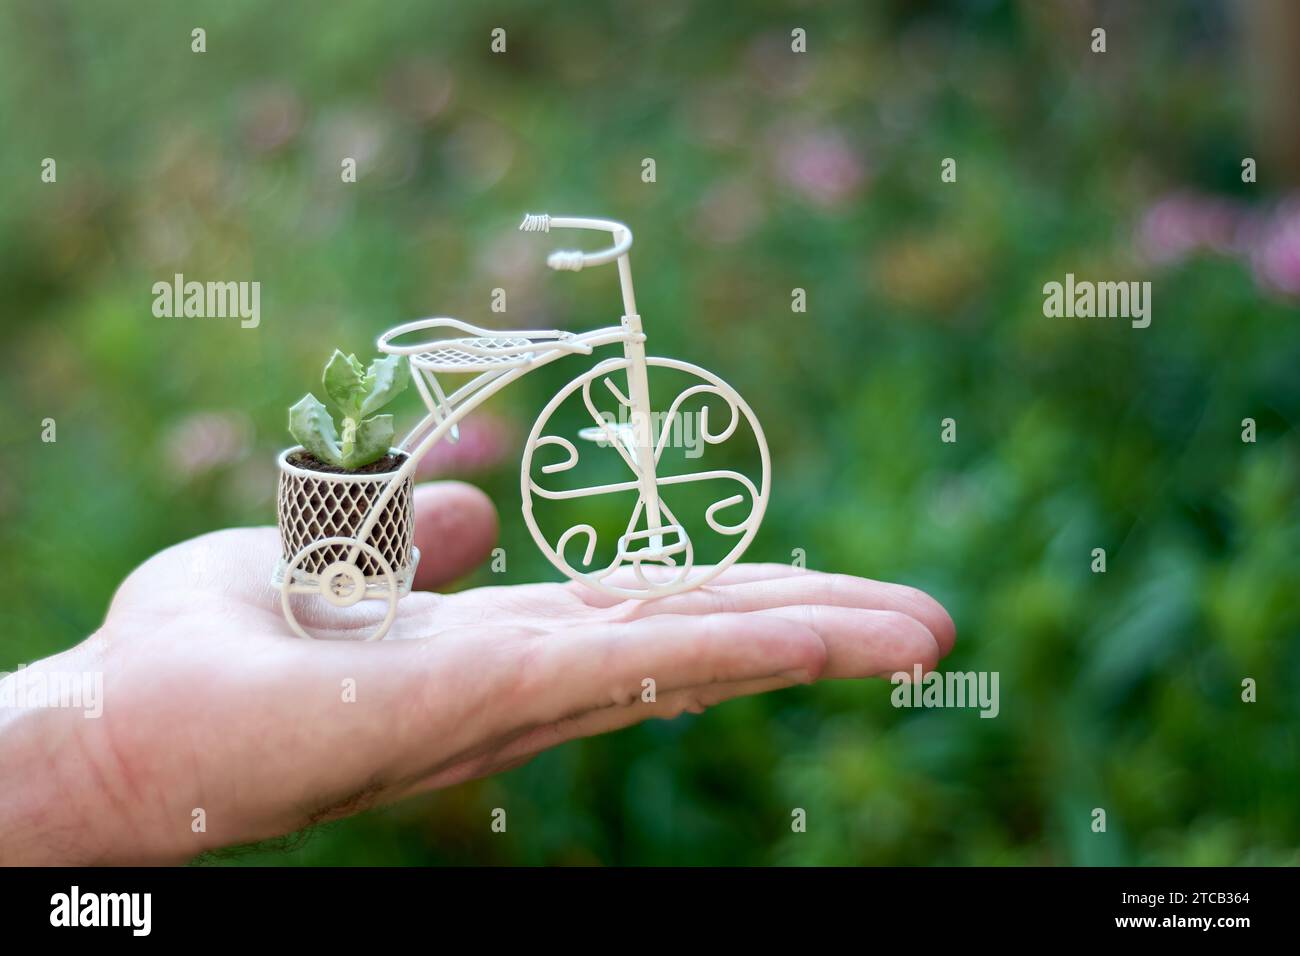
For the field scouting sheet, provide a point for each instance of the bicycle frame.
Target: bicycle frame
(311, 506)
(445, 412)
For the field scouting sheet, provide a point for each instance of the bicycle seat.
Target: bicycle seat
(475, 354)
(481, 351)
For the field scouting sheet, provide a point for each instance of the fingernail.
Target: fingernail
(798, 677)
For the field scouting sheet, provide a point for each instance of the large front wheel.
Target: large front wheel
(589, 510)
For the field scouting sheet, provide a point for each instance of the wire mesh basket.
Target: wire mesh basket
(315, 505)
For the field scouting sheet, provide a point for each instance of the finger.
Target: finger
(399, 710)
(529, 744)
(861, 642)
(809, 587)
(626, 577)
(455, 530)
(598, 666)
(688, 700)
(855, 642)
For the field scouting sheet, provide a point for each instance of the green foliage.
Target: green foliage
(1119, 690)
(355, 392)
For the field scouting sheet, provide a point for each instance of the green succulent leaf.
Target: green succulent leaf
(384, 380)
(313, 428)
(348, 439)
(374, 436)
(345, 383)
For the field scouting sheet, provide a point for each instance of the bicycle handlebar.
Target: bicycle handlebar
(574, 260)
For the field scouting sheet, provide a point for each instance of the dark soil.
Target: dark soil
(306, 460)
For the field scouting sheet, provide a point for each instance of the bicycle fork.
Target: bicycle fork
(639, 393)
(643, 427)
(633, 349)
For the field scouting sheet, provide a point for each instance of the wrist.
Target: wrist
(35, 825)
(63, 800)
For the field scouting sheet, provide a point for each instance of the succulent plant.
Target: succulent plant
(355, 393)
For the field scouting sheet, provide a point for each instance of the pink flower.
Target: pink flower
(1275, 257)
(821, 166)
(1183, 224)
(484, 441)
(201, 443)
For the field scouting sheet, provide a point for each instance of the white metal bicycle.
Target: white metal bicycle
(656, 553)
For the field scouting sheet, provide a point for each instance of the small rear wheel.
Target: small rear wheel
(341, 584)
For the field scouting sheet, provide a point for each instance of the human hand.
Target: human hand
(210, 702)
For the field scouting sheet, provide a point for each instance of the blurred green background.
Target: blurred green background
(775, 170)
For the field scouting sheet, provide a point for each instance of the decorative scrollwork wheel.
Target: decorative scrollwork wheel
(659, 549)
(340, 583)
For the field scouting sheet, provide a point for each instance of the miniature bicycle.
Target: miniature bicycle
(655, 555)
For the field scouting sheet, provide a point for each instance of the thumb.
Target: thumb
(455, 530)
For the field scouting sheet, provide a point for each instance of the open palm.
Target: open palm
(211, 704)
